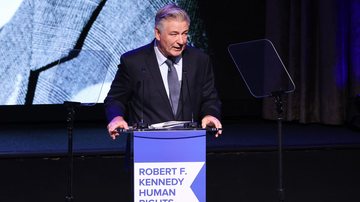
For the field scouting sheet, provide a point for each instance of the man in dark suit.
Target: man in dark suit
(165, 80)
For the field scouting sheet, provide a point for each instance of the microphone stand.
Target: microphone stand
(277, 95)
(70, 106)
(192, 124)
(142, 124)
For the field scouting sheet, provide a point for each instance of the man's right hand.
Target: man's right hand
(115, 123)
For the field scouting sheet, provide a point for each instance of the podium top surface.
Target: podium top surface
(170, 134)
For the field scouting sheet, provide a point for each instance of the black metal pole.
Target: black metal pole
(70, 106)
(280, 166)
(279, 109)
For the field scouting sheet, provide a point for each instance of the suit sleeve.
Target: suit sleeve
(211, 104)
(119, 94)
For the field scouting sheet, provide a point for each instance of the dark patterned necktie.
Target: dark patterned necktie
(174, 86)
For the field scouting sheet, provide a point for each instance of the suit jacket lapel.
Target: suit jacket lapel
(186, 83)
(187, 70)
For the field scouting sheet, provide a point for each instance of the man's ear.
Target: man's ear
(157, 34)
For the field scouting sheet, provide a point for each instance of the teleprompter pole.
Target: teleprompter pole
(279, 109)
(70, 107)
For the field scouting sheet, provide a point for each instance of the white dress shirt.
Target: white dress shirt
(164, 67)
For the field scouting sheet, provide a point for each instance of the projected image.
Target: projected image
(62, 50)
(7, 10)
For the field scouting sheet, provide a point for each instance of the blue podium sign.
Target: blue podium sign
(170, 166)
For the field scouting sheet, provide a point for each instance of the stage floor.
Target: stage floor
(330, 175)
(50, 139)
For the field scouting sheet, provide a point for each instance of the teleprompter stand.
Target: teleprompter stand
(70, 107)
(265, 76)
(279, 110)
(85, 59)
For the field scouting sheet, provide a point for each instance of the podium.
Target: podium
(169, 165)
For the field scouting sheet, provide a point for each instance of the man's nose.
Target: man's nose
(181, 40)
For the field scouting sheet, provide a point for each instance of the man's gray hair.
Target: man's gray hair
(170, 11)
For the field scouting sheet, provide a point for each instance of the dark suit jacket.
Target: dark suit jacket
(138, 91)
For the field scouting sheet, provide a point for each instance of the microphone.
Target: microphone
(192, 124)
(142, 124)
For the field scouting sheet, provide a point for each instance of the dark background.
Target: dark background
(228, 23)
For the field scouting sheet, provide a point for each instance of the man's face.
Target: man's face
(172, 38)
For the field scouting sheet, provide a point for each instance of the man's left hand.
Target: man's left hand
(211, 121)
